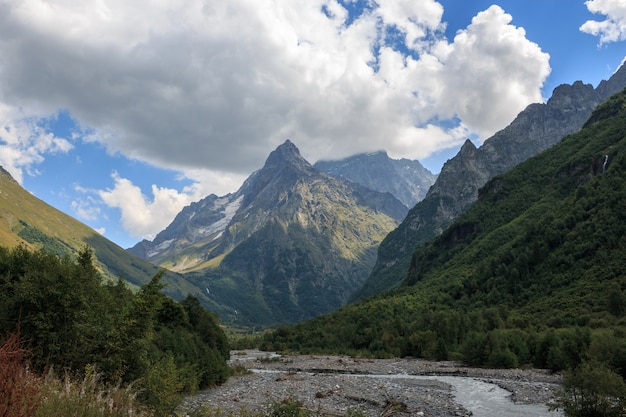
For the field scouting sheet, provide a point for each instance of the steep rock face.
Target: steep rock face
(406, 179)
(535, 129)
(205, 219)
(290, 244)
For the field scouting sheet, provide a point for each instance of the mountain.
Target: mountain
(536, 128)
(29, 221)
(406, 179)
(290, 244)
(531, 273)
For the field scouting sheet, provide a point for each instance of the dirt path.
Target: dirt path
(333, 385)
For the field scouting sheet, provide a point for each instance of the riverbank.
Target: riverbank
(334, 385)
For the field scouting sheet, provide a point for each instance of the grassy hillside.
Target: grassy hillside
(27, 220)
(534, 272)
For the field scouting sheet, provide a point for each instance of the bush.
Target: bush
(592, 390)
(20, 390)
(502, 359)
(288, 407)
(23, 394)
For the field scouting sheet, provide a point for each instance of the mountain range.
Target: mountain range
(538, 127)
(298, 240)
(531, 273)
(405, 178)
(290, 244)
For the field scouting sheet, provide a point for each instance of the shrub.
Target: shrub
(20, 390)
(592, 389)
(288, 407)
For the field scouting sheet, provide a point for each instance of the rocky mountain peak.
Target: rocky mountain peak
(405, 179)
(468, 149)
(291, 243)
(613, 84)
(283, 166)
(288, 156)
(566, 95)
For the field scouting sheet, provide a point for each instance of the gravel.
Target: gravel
(334, 385)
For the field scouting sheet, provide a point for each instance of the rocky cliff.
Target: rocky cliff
(535, 129)
(406, 179)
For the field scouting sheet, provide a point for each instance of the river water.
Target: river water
(483, 399)
(489, 400)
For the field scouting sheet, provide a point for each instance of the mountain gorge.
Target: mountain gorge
(536, 128)
(290, 244)
(531, 273)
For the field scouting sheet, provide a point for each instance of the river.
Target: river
(333, 385)
(483, 399)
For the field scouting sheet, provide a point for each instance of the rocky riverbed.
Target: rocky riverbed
(334, 385)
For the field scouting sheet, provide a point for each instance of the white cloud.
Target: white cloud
(415, 18)
(86, 208)
(613, 28)
(24, 143)
(218, 85)
(210, 88)
(144, 216)
(490, 72)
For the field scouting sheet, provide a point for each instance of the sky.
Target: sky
(121, 113)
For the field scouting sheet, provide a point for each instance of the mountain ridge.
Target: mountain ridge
(29, 221)
(291, 243)
(536, 128)
(531, 274)
(406, 179)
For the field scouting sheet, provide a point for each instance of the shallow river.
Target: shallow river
(481, 398)
(489, 400)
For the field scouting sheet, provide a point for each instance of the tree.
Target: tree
(592, 390)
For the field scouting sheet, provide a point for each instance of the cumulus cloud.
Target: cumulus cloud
(210, 88)
(144, 216)
(611, 29)
(24, 142)
(474, 84)
(218, 85)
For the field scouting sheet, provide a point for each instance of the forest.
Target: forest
(533, 274)
(63, 322)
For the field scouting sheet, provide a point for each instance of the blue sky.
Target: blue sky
(120, 113)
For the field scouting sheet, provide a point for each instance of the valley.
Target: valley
(336, 385)
(166, 250)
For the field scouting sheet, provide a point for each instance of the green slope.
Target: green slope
(29, 221)
(534, 272)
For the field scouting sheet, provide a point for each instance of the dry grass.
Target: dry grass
(20, 389)
(88, 397)
(24, 394)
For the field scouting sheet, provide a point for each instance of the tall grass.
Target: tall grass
(88, 397)
(20, 389)
(24, 394)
